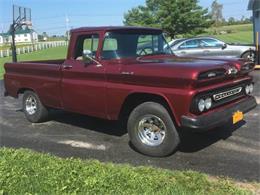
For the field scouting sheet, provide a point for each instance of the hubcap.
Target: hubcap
(151, 130)
(30, 105)
(251, 57)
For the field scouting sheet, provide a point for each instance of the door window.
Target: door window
(86, 42)
(210, 43)
(191, 44)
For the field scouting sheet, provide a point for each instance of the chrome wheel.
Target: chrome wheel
(250, 57)
(31, 105)
(151, 130)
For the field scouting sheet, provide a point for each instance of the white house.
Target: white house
(22, 35)
(1, 39)
(25, 35)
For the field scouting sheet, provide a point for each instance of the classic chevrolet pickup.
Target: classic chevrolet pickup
(130, 74)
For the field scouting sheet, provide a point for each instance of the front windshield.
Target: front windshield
(127, 44)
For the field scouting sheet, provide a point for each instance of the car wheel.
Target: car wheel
(33, 109)
(152, 131)
(249, 55)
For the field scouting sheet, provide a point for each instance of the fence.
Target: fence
(32, 48)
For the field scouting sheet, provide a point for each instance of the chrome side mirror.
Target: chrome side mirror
(88, 58)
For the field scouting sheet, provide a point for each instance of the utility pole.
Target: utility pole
(67, 27)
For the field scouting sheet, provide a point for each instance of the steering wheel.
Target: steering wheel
(143, 51)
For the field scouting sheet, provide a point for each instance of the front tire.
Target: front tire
(33, 109)
(152, 131)
(250, 56)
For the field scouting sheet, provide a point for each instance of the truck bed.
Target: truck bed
(44, 76)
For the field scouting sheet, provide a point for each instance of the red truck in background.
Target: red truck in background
(130, 73)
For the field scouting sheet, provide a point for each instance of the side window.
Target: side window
(86, 42)
(210, 43)
(192, 44)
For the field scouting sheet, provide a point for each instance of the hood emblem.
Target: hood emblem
(232, 71)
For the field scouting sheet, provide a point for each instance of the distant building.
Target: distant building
(1, 39)
(254, 5)
(22, 35)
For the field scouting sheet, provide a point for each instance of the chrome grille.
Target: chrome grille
(226, 94)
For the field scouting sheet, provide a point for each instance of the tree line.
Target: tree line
(179, 16)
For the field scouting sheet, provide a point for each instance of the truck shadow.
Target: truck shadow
(194, 141)
(88, 123)
(190, 141)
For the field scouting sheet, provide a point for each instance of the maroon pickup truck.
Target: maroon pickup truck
(130, 74)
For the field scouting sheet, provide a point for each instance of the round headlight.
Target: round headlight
(251, 88)
(201, 105)
(247, 89)
(208, 103)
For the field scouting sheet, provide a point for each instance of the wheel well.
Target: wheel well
(135, 99)
(22, 90)
(247, 51)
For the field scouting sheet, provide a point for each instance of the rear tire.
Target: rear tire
(33, 109)
(152, 131)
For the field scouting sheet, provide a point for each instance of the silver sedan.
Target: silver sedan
(208, 47)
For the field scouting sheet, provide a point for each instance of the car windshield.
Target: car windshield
(127, 44)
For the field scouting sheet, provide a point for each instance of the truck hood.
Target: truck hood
(186, 70)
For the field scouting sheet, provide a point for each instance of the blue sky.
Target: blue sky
(50, 15)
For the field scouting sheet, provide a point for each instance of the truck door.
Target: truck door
(83, 84)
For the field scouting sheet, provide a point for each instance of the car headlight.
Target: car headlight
(201, 105)
(208, 103)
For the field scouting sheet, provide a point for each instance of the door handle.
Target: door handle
(67, 67)
(183, 52)
(206, 51)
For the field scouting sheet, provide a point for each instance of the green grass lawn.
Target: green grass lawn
(26, 172)
(242, 33)
(47, 54)
(243, 37)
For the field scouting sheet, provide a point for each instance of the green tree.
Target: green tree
(231, 21)
(173, 16)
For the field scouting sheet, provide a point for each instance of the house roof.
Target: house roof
(19, 31)
(254, 5)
